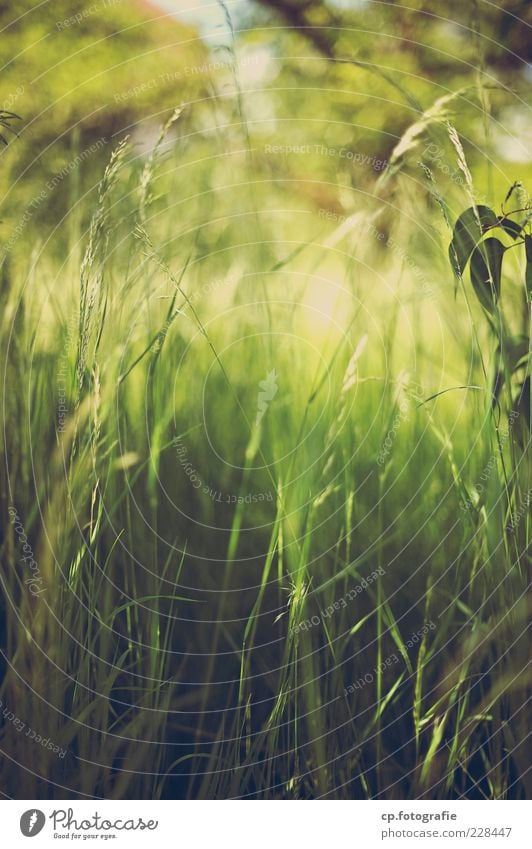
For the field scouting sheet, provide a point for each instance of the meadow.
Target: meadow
(266, 474)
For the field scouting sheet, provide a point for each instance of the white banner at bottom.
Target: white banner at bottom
(266, 824)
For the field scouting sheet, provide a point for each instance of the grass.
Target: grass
(357, 632)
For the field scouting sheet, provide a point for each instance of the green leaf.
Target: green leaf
(511, 190)
(511, 227)
(486, 266)
(468, 231)
(517, 352)
(516, 356)
(528, 272)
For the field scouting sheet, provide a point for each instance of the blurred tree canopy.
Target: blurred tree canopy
(344, 75)
(89, 70)
(438, 34)
(363, 71)
(411, 52)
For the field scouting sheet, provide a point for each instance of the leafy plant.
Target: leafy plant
(473, 243)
